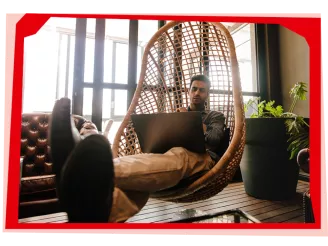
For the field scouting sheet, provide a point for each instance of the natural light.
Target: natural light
(49, 64)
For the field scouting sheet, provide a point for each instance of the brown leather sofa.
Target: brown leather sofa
(37, 188)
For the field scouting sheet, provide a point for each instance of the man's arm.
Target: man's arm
(183, 109)
(214, 128)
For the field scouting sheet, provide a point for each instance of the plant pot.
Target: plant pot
(266, 170)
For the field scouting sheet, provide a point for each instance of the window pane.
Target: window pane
(114, 107)
(61, 72)
(89, 50)
(113, 130)
(146, 29)
(244, 39)
(71, 67)
(117, 29)
(87, 103)
(91, 26)
(40, 70)
(61, 22)
(108, 61)
(121, 63)
(246, 76)
(107, 104)
(139, 61)
(106, 111)
(89, 60)
(113, 110)
(241, 34)
(120, 106)
(45, 65)
(250, 110)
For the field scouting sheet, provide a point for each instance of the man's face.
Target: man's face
(198, 92)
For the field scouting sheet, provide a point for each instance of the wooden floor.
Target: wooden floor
(232, 197)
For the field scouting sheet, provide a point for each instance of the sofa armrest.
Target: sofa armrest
(35, 184)
(36, 171)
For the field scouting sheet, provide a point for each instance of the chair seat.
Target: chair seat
(174, 54)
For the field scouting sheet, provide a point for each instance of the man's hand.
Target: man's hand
(182, 109)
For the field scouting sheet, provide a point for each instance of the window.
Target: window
(121, 63)
(244, 37)
(49, 65)
(146, 30)
(41, 71)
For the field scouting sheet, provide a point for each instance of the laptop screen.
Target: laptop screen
(158, 133)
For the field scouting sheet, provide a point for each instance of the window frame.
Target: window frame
(262, 62)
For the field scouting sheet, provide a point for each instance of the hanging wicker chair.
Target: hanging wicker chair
(178, 51)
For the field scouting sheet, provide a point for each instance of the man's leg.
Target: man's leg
(87, 181)
(126, 204)
(63, 135)
(154, 172)
(87, 186)
(137, 176)
(145, 173)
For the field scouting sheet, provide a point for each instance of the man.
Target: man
(92, 187)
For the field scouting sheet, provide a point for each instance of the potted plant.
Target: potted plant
(273, 138)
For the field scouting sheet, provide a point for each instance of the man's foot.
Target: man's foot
(63, 135)
(87, 181)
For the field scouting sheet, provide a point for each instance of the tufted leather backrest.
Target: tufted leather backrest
(35, 148)
(38, 182)
(34, 145)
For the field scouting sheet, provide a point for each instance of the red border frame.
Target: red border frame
(309, 28)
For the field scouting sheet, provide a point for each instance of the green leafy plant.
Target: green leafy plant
(297, 128)
(298, 92)
(298, 131)
(263, 109)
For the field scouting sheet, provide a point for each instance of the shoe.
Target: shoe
(87, 181)
(63, 135)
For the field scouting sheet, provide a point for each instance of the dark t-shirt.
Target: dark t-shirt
(214, 134)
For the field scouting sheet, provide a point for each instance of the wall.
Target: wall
(294, 62)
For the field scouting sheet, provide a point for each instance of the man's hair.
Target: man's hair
(201, 77)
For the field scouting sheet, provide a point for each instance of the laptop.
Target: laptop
(157, 133)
